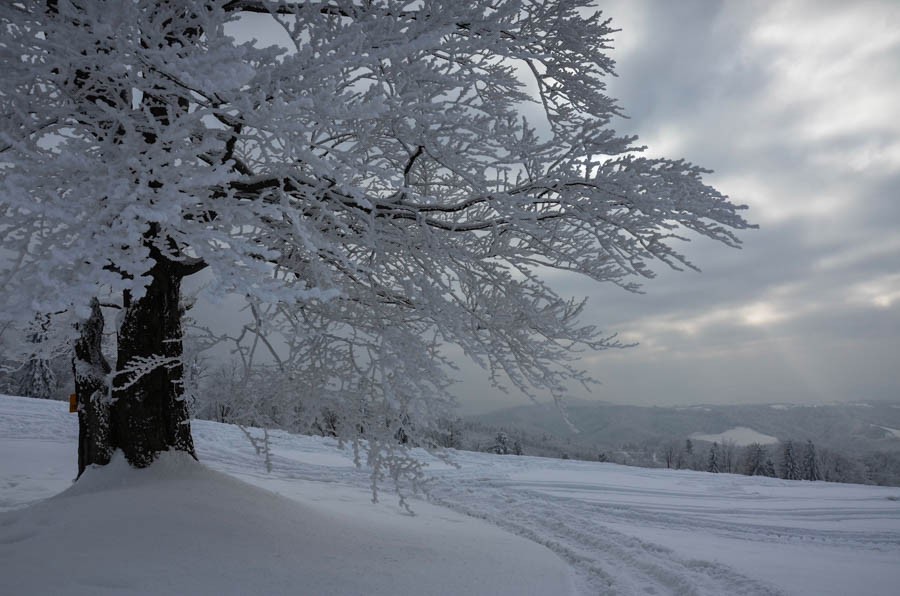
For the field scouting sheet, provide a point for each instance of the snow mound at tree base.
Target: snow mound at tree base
(181, 528)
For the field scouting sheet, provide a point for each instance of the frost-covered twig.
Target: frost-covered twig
(139, 366)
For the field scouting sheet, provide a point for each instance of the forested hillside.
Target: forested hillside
(853, 442)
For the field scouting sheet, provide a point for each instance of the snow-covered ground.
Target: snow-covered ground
(739, 435)
(892, 431)
(581, 527)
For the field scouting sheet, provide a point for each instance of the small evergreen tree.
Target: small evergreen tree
(789, 468)
(690, 459)
(769, 468)
(810, 463)
(754, 463)
(501, 444)
(36, 378)
(712, 464)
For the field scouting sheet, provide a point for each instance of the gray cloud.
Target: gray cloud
(794, 107)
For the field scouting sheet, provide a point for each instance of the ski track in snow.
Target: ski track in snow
(605, 561)
(624, 531)
(725, 522)
(582, 522)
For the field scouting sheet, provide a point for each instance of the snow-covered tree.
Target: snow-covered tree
(35, 376)
(449, 433)
(691, 459)
(389, 179)
(755, 460)
(672, 454)
(810, 466)
(501, 444)
(838, 466)
(729, 457)
(768, 468)
(790, 470)
(712, 463)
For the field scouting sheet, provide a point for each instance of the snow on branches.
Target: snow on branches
(389, 178)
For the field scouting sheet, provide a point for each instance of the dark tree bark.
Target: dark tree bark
(148, 414)
(145, 413)
(92, 392)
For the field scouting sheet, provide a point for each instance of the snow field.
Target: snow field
(620, 530)
(739, 435)
(180, 527)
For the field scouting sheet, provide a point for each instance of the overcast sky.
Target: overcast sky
(796, 106)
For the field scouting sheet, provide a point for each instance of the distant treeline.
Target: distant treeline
(788, 459)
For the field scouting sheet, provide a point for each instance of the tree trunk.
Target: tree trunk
(148, 413)
(92, 392)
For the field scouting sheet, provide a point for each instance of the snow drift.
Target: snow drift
(179, 527)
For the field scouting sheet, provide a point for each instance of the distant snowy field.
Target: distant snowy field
(740, 436)
(571, 527)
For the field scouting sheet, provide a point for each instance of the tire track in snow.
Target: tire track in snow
(726, 522)
(606, 561)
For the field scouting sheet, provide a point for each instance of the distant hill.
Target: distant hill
(848, 427)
